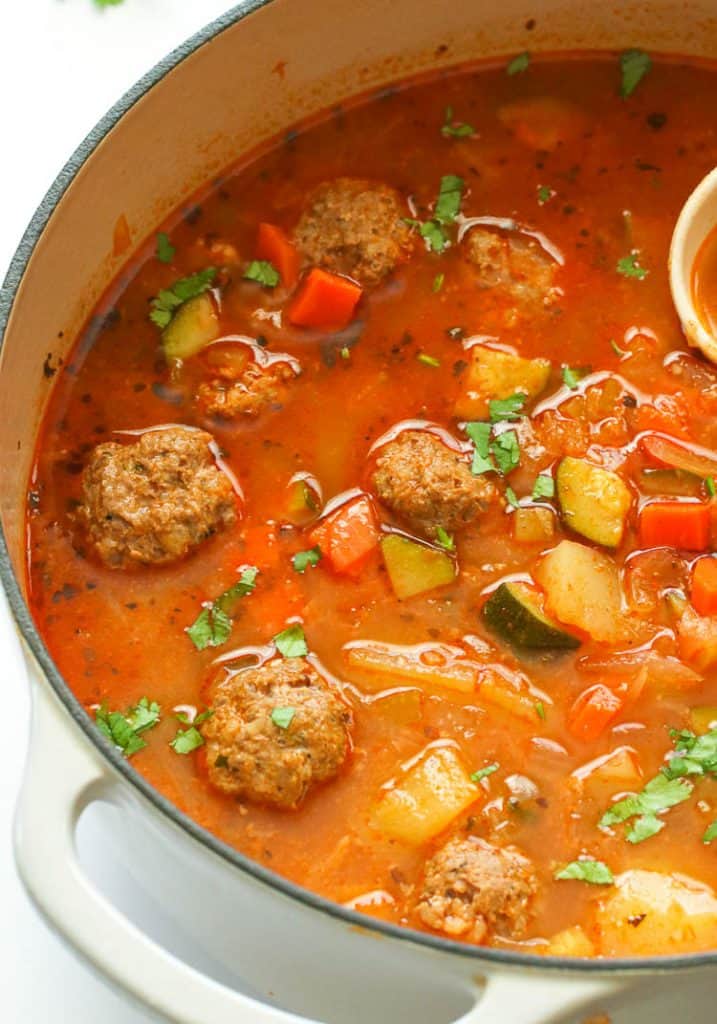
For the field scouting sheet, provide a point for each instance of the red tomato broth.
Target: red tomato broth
(118, 635)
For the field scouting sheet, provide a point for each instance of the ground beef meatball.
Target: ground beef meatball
(472, 888)
(428, 484)
(155, 500)
(514, 267)
(269, 756)
(231, 395)
(355, 227)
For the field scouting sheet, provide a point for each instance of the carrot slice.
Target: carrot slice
(593, 712)
(691, 459)
(675, 524)
(348, 536)
(273, 245)
(324, 300)
(704, 586)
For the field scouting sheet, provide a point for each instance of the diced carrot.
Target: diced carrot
(690, 458)
(675, 524)
(273, 245)
(324, 300)
(704, 586)
(593, 712)
(348, 536)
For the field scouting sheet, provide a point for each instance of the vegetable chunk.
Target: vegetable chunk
(414, 568)
(582, 587)
(514, 612)
(492, 374)
(594, 501)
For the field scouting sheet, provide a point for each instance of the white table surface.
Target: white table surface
(62, 64)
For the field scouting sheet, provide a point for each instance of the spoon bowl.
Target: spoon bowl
(697, 219)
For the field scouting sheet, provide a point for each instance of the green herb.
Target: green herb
(502, 409)
(438, 282)
(183, 717)
(291, 642)
(694, 755)
(283, 717)
(479, 433)
(187, 740)
(303, 559)
(629, 267)
(444, 539)
(710, 486)
(616, 348)
(483, 773)
(455, 129)
(592, 871)
(658, 795)
(511, 497)
(165, 250)
(644, 828)
(345, 352)
(262, 272)
(427, 360)
(124, 729)
(213, 625)
(711, 833)
(450, 194)
(571, 378)
(544, 486)
(505, 449)
(540, 710)
(634, 65)
(518, 64)
(545, 194)
(108, 3)
(169, 300)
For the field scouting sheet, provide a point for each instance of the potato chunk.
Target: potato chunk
(493, 373)
(582, 588)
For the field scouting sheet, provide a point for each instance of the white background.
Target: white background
(62, 64)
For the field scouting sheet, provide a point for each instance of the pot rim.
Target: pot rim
(31, 635)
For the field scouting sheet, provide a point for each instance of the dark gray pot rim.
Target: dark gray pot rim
(18, 265)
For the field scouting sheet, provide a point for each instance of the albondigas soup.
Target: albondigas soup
(374, 514)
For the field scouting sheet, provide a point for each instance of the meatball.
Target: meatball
(276, 730)
(230, 395)
(512, 266)
(472, 888)
(153, 501)
(355, 227)
(427, 484)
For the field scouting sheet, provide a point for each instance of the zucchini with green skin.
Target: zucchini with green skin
(414, 568)
(194, 326)
(593, 501)
(514, 613)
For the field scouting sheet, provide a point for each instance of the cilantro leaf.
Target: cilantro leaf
(455, 129)
(571, 378)
(694, 755)
(545, 194)
(291, 642)
(518, 64)
(506, 451)
(540, 710)
(511, 497)
(659, 794)
(187, 740)
(303, 559)
(445, 539)
(438, 282)
(479, 433)
(483, 773)
(629, 267)
(108, 3)
(634, 65)
(427, 360)
(283, 717)
(165, 250)
(450, 194)
(501, 409)
(645, 827)
(710, 486)
(434, 235)
(144, 715)
(711, 833)
(263, 272)
(592, 871)
(213, 626)
(544, 486)
(124, 730)
(166, 303)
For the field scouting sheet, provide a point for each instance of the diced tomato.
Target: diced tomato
(348, 536)
(593, 712)
(675, 524)
(704, 586)
(273, 245)
(324, 300)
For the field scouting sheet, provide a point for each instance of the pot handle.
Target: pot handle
(548, 997)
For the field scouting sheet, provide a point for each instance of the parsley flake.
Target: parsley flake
(504, 409)
(506, 451)
(483, 773)
(518, 64)
(447, 208)
(711, 833)
(629, 267)
(545, 194)
(634, 65)
(283, 717)
(303, 559)
(479, 433)
(445, 539)
(291, 642)
(187, 740)
(213, 626)
(571, 378)
(427, 360)
(592, 871)
(165, 250)
(710, 486)
(544, 487)
(455, 129)
(659, 794)
(511, 497)
(263, 272)
(540, 710)
(124, 729)
(168, 300)
(438, 282)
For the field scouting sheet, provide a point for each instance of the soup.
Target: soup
(372, 516)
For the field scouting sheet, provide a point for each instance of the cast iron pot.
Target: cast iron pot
(244, 78)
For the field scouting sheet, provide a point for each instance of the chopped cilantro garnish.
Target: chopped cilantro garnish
(592, 871)
(165, 250)
(169, 300)
(213, 625)
(616, 348)
(659, 794)
(187, 740)
(450, 194)
(263, 272)
(506, 451)
(545, 194)
(427, 360)
(455, 129)
(710, 486)
(518, 64)
(291, 642)
(303, 559)
(694, 755)
(629, 267)
(283, 717)
(540, 710)
(501, 409)
(511, 497)
(571, 377)
(634, 65)
(544, 486)
(483, 773)
(124, 729)
(108, 3)
(479, 433)
(444, 539)
(438, 282)
(711, 833)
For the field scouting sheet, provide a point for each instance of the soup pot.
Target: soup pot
(243, 79)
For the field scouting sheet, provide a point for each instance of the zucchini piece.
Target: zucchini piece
(414, 568)
(594, 501)
(582, 589)
(514, 612)
(192, 328)
(493, 373)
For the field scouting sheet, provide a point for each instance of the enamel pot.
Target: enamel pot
(263, 951)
